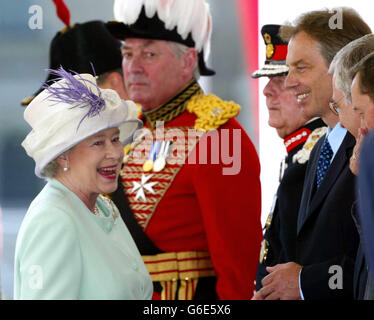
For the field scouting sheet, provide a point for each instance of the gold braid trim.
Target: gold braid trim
(143, 207)
(173, 107)
(187, 268)
(211, 111)
(140, 169)
(160, 185)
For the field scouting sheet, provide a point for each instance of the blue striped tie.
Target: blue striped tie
(323, 161)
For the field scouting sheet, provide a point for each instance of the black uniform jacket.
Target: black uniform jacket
(281, 234)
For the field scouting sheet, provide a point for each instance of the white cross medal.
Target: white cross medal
(144, 184)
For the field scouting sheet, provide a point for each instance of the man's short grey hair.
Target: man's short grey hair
(365, 69)
(179, 50)
(342, 66)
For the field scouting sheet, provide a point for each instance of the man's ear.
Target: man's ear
(115, 81)
(189, 62)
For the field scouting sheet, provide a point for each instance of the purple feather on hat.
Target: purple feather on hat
(75, 91)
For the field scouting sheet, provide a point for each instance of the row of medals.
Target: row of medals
(157, 156)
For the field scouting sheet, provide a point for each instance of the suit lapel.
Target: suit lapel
(339, 162)
(309, 184)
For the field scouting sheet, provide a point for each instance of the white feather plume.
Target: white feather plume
(127, 11)
(163, 8)
(189, 16)
(150, 7)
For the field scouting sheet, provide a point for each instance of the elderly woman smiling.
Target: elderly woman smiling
(72, 243)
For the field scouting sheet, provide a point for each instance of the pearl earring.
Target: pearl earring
(66, 168)
(65, 158)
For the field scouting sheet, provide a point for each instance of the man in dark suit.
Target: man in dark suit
(343, 68)
(327, 239)
(299, 134)
(366, 211)
(363, 102)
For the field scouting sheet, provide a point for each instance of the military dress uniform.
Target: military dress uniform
(279, 243)
(198, 230)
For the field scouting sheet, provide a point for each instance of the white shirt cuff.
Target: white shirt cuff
(301, 292)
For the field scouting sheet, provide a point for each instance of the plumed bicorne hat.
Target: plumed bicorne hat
(188, 22)
(78, 46)
(276, 53)
(70, 110)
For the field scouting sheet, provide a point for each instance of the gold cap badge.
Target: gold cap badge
(269, 46)
(269, 51)
(267, 38)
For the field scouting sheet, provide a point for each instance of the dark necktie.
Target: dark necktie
(324, 161)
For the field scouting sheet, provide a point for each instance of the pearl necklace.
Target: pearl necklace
(110, 205)
(96, 211)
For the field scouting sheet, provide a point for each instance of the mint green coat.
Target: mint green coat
(63, 251)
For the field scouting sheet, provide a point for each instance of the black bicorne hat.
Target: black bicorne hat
(276, 53)
(78, 46)
(154, 28)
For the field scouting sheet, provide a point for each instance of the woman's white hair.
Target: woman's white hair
(50, 170)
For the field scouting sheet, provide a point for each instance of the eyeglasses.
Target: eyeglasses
(334, 107)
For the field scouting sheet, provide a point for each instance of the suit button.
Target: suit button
(108, 227)
(134, 266)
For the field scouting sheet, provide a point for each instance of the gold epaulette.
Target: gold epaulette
(211, 111)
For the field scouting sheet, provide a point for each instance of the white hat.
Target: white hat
(72, 110)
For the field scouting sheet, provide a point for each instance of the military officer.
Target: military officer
(299, 134)
(195, 220)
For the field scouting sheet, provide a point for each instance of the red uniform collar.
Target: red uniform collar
(296, 138)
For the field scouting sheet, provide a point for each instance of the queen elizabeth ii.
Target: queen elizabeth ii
(72, 243)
